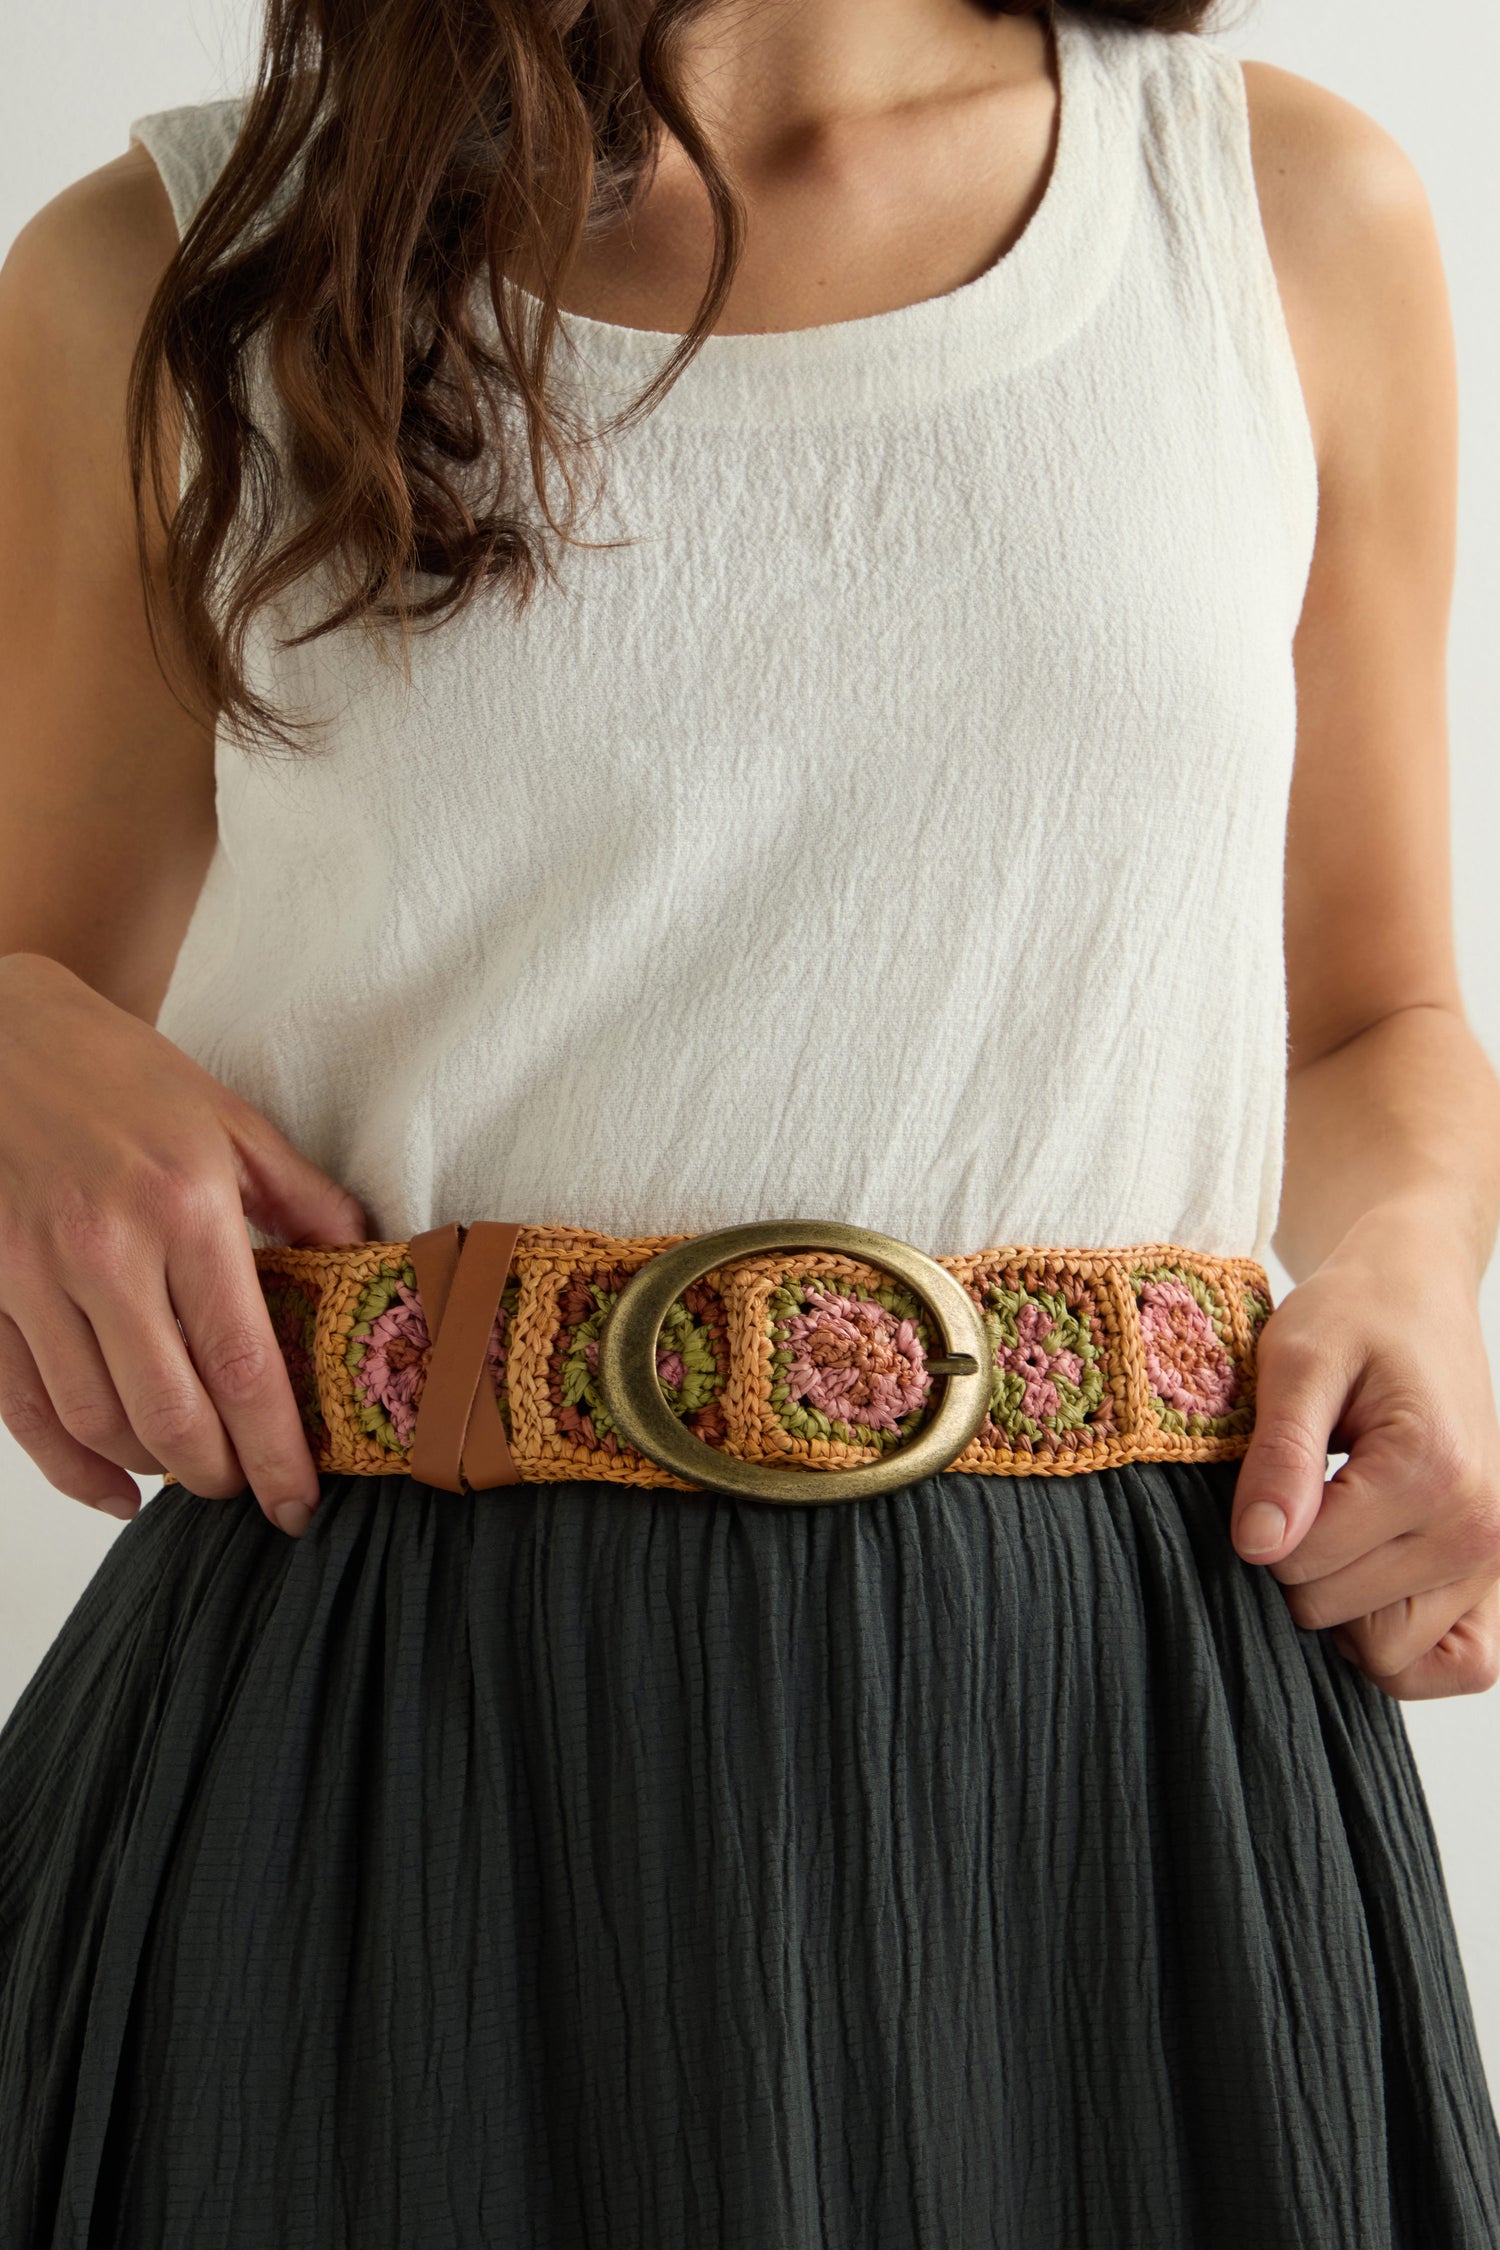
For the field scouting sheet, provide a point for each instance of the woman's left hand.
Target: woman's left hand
(1379, 1354)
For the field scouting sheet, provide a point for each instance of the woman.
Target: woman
(849, 790)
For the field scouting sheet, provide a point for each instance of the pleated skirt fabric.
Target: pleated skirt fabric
(991, 1866)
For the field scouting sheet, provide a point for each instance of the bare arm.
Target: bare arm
(133, 1333)
(1391, 1197)
(109, 782)
(1389, 1094)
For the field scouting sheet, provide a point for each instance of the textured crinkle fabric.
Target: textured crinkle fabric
(994, 1863)
(892, 828)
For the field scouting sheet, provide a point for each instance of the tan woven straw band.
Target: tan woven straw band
(470, 1356)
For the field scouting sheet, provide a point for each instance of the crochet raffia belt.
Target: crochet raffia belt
(795, 1361)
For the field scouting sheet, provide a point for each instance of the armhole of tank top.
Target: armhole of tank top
(189, 147)
(1264, 330)
(1255, 305)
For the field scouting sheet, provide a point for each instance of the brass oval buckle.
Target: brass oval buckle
(626, 1366)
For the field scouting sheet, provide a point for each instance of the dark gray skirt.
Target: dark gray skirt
(994, 1866)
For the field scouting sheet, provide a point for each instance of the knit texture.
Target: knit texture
(893, 833)
(798, 1360)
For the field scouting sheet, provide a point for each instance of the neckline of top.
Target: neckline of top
(1014, 313)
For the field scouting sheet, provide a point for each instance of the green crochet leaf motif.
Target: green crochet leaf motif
(681, 1332)
(1067, 1332)
(372, 1301)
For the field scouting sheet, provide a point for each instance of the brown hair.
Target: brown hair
(388, 157)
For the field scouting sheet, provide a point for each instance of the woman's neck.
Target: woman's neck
(767, 77)
(886, 150)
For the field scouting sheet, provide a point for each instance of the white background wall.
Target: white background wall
(74, 73)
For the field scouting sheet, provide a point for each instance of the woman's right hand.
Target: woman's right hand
(126, 1175)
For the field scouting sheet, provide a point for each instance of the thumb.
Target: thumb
(285, 1194)
(1279, 1489)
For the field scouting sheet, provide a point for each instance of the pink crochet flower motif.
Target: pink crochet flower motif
(394, 1367)
(1187, 1366)
(1029, 1358)
(854, 1361)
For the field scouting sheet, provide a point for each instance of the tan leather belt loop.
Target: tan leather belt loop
(459, 1433)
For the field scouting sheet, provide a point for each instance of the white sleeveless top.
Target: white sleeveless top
(894, 831)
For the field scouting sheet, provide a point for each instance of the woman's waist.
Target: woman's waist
(1033, 1110)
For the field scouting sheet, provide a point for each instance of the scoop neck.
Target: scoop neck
(1025, 303)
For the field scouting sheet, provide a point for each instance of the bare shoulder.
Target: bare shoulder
(1321, 160)
(74, 289)
(1352, 238)
(74, 292)
(93, 255)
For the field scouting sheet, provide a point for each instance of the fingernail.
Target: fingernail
(293, 1518)
(1262, 1527)
(122, 1509)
